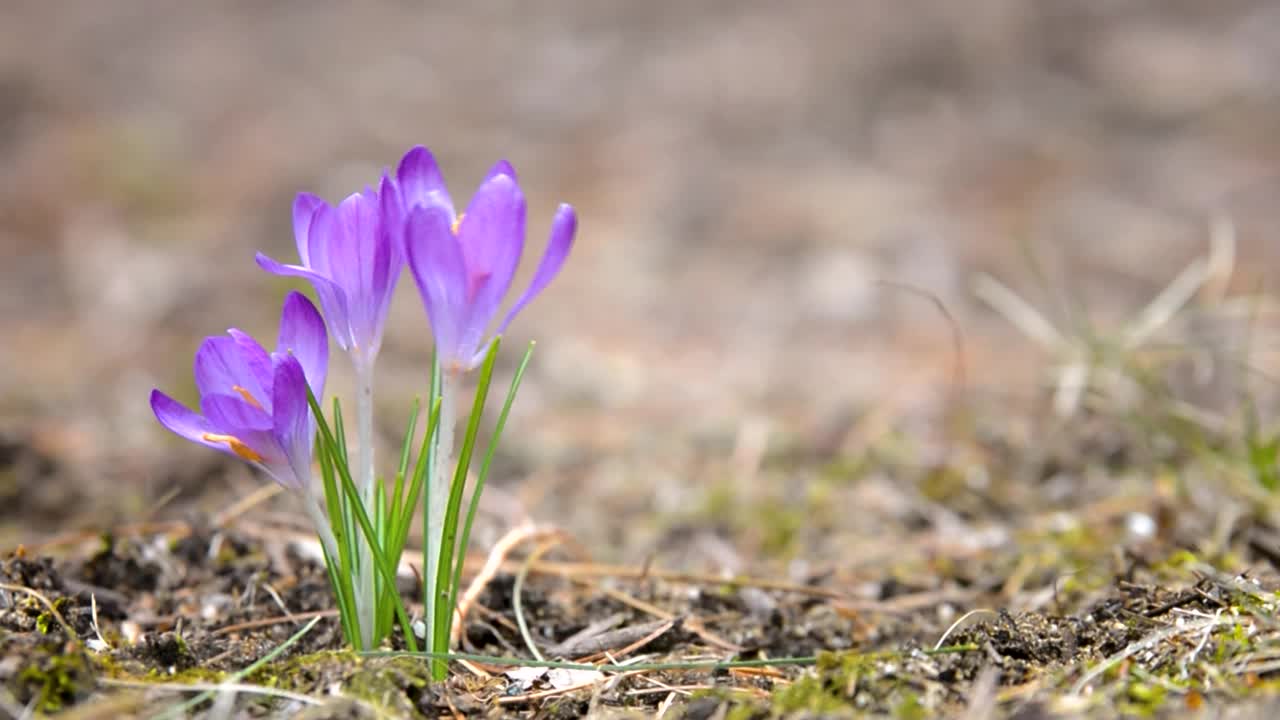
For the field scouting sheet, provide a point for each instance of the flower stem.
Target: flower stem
(366, 600)
(438, 500)
(312, 504)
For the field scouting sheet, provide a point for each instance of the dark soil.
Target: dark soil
(148, 611)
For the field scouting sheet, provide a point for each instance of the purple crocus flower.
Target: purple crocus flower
(353, 259)
(464, 264)
(253, 404)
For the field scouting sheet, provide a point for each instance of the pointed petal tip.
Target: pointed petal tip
(178, 418)
(295, 301)
(307, 201)
(563, 229)
(268, 263)
(502, 168)
(567, 218)
(417, 153)
(417, 164)
(302, 334)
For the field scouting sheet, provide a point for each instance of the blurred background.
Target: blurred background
(757, 183)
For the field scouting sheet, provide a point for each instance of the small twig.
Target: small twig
(1018, 312)
(234, 687)
(267, 622)
(1204, 640)
(243, 505)
(71, 634)
(516, 593)
(685, 690)
(492, 565)
(586, 634)
(544, 694)
(275, 595)
(584, 570)
(605, 642)
(165, 499)
(958, 622)
(93, 622)
(692, 623)
(665, 706)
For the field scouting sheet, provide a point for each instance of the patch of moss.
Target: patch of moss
(830, 690)
(304, 673)
(47, 621)
(1143, 699)
(910, 708)
(55, 681)
(393, 685)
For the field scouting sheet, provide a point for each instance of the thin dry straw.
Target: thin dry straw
(628, 667)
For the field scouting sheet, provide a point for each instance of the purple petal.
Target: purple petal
(502, 167)
(292, 428)
(353, 259)
(258, 363)
(563, 229)
(322, 237)
(302, 335)
(492, 238)
(332, 297)
(436, 261)
(304, 209)
(234, 415)
(421, 183)
(391, 206)
(220, 368)
(182, 421)
(254, 446)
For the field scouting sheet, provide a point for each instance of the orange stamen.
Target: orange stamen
(248, 397)
(457, 223)
(237, 446)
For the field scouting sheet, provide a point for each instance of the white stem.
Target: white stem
(364, 419)
(311, 504)
(365, 571)
(438, 502)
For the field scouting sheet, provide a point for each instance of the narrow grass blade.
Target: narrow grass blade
(416, 483)
(449, 538)
(492, 450)
(397, 492)
(362, 518)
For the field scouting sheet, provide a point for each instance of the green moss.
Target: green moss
(1143, 698)
(830, 689)
(47, 621)
(390, 684)
(303, 672)
(56, 681)
(910, 708)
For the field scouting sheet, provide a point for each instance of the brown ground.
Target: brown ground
(731, 379)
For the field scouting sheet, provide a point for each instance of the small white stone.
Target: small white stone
(1140, 526)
